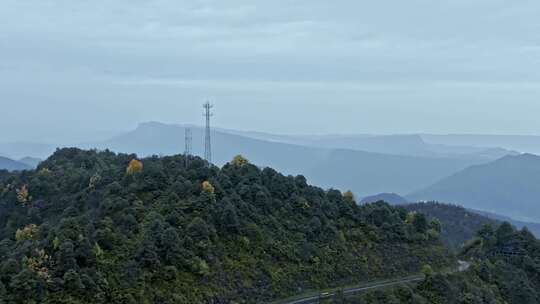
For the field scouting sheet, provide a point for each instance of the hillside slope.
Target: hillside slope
(89, 227)
(504, 269)
(508, 186)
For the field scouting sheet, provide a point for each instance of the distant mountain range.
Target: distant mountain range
(521, 143)
(365, 164)
(509, 186)
(19, 150)
(360, 171)
(12, 165)
(406, 144)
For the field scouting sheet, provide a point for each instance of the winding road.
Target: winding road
(463, 266)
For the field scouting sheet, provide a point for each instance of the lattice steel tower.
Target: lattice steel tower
(207, 139)
(189, 145)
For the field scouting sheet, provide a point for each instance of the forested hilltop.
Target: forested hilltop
(505, 267)
(458, 225)
(97, 227)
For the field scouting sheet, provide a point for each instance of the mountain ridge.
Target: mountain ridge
(516, 194)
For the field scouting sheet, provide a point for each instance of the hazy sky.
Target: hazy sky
(72, 69)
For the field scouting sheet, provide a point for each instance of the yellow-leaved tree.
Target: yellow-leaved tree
(207, 187)
(39, 264)
(348, 196)
(239, 161)
(135, 166)
(29, 232)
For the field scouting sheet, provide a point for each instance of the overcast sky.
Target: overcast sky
(77, 69)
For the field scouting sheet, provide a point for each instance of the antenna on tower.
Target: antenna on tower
(188, 142)
(207, 139)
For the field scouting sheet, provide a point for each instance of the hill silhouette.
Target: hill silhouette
(391, 198)
(507, 186)
(11, 165)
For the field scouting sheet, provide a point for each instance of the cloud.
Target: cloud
(294, 40)
(397, 51)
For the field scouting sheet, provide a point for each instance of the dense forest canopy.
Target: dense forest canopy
(100, 227)
(458, 225)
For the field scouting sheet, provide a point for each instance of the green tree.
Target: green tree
(504, 233)
(73, 282)
(436, 225)
(230, 218)
(172, 247)
(27, 287)
(420, 222)
(198, 229)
